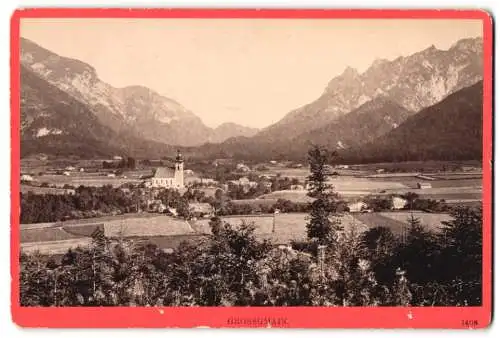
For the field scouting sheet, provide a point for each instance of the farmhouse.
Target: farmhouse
(242, 167)
(26, 178)
(398, 203)
(156, 206)
(424, 185)
(201, 210)
(357, 206)
(166, 177)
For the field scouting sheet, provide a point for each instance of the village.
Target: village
(169, 201)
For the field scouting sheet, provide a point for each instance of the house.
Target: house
(253, 184)
(243, 181)
(172, 211)
(201, 210)
(166, 177)
(27, 178)
(357, 206)
(242, 167)
(424, 185)
(82, 170)
(296, 187)
(469, 168)
(189, 172)
(273, 162)
(156, 206)
(398, 203)
(206, 181)
(66, 173)
(380, 171)
(117, 158)
(111, 175)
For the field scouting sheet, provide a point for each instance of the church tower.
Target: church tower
(179, 170)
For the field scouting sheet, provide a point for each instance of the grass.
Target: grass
(43, 235)
(397, 221)
(373, 220)
(256, 202)
(77, 179)
(344, 183)
(430, 221)
(288, 227)
(452, 196)
(151, 226)
(55, 247)
(169, 242)
(296, 196)
(84, 230)
(41, 191)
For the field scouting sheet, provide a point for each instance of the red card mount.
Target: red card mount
(265, 316)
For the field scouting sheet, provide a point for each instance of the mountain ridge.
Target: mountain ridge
(133, 109)
(414, 82)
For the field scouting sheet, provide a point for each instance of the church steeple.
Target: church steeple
(179, 170)
(179, 158)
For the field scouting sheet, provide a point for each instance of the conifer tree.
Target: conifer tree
(320, 225)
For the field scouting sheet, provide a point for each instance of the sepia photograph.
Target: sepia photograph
(252, 162)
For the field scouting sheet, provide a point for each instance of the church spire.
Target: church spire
(179, 158)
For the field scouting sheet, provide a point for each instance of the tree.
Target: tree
(182, 208)
(131, 163)
(461, 239)
(320, 225)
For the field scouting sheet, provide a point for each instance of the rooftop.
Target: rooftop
(164, 172)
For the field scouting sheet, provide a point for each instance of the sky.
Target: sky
(248, 71)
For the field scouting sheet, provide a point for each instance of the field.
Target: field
(358, 187)
(168, 232)
(348, 183)
(411, 181)
(55, 247)
(77, 179)
(46, 234)
(430, 221)
(65, 233)
(39, 190)
(373, 220)
(296, 196)
(299, 173)
(287, 227)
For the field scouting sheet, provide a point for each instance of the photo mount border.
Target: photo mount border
(245, 317)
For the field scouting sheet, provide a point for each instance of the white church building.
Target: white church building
(168, 177)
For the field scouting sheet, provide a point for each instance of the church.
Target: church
(170, 177)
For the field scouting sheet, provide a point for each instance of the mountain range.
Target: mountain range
(379, 109)
(449, 130)
(133, 110)
(355, 109)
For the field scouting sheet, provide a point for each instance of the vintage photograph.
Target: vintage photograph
(251, 162)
